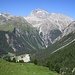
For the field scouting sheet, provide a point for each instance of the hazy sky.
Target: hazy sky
(24, 7)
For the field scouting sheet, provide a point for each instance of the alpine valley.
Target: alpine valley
(42, 38)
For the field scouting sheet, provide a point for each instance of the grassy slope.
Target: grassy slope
(64, 57)
(26, 36)
(44, 55)
(63, 61)
(8, 68)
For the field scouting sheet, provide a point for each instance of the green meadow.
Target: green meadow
(10, 68)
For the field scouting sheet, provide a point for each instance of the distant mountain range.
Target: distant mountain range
(60, 55)
(64, 40)
(48, 38)
(50, 26)
(20, 34)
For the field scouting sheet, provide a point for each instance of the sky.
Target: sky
(24, 7)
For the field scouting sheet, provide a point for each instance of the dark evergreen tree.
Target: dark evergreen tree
(35, 61)
(48, 64)
(57, 68)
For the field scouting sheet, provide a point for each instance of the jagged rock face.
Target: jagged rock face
(39, 13)
(68, 30)
(4, 17)
(48, 23)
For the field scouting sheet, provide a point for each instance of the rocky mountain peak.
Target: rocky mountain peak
(6, 15)
(50, 26)
(57, 16)
(39, 13)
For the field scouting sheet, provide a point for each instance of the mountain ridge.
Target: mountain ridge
(19, 35)
(42, 30)
(48, 25)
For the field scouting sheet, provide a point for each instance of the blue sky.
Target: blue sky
(24, 7)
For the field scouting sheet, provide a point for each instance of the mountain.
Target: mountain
(60, 55)
(68, 30)
(49, 39)
(18, 36)
(39, 13)
(29, 34)
(50, 26)
(58, 45)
